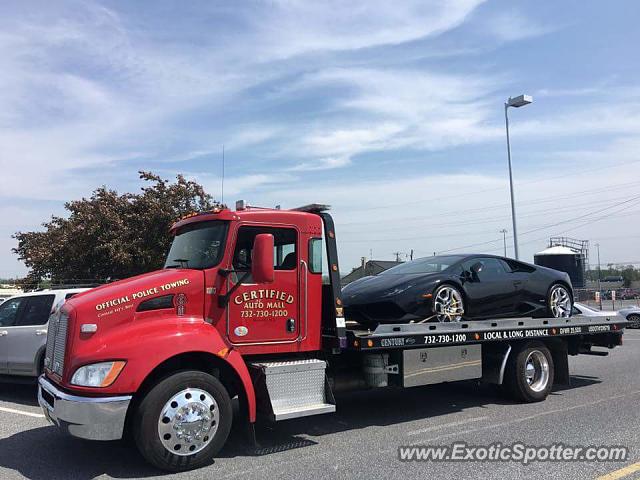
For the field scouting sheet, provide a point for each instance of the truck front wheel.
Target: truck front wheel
(183, 421)
(529, 374)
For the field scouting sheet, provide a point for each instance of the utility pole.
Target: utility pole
(504, 240)
(397, 254)
(599, 289)
(411, 256)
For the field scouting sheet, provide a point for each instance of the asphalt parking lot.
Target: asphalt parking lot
(361, 441)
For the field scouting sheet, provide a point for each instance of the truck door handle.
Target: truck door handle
(41, 332)
(291, 325)
(4, 333)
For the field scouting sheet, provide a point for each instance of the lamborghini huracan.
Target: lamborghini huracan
(454, 288)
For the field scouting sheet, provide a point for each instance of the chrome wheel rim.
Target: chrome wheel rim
(560, 302)
(188, 421)
(447, 305)
(536, 371)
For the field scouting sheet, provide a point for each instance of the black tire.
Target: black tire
(552, 290)
(515, 380)
(40, 365)
(147, 416)
(635, 321)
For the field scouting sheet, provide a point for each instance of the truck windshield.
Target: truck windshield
(198, 245)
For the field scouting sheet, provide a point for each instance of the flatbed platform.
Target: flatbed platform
(414, 335)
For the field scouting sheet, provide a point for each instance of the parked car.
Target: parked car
(452, 288)
(23, 329)
(632, 314)
(626, 294)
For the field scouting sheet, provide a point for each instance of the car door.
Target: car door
(28, 335)
(9, 312)
(265, 313)
(489, 288)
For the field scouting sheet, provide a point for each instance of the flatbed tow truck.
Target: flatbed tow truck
(242, 310)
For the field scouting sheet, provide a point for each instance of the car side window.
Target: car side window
(36, 311)
(9, 311)
(507, 267)
(491, 269)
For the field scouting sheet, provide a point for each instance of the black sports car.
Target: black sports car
(452, 288)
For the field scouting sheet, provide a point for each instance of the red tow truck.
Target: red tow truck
(241, 309)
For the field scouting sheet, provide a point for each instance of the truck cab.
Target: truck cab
(279, 313)
(237, 287)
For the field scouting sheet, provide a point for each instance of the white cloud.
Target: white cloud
(293, 27)
(86, 88)
(386, 110)
(619, 118)
(83, 83)
(509, 26)
(326, 163)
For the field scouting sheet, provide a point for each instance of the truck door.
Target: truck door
(29, 335)
(271, 312)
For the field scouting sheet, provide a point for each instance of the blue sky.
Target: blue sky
(390, 111)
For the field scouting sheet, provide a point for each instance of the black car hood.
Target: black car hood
(363, 289)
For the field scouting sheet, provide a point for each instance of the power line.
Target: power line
(571, 174)
(495, 219)
(546, 199)
(482, 221)
(604, 217)
(637, 197)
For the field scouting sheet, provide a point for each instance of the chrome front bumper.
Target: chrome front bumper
(92, 418)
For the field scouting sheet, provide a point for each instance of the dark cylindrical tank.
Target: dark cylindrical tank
(565, 260)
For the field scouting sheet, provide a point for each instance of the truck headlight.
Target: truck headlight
(100, 374)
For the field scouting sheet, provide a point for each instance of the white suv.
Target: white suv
(23, 329)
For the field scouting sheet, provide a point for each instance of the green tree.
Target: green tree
(110, 235)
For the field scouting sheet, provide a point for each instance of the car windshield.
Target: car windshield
(198, 245)
(424, 265)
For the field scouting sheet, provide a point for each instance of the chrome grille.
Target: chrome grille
(56, 342)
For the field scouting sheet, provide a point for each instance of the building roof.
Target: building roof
(558, 250)
(372, 267)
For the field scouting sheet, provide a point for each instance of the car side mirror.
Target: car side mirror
(467, 276)
(262, 259)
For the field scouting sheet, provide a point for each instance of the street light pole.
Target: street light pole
(515, 102)
(504, 240)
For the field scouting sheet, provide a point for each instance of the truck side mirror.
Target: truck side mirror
(262, 258)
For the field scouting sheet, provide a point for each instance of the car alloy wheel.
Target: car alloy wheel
(560, 302)
(188, 421)
(447, 304)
